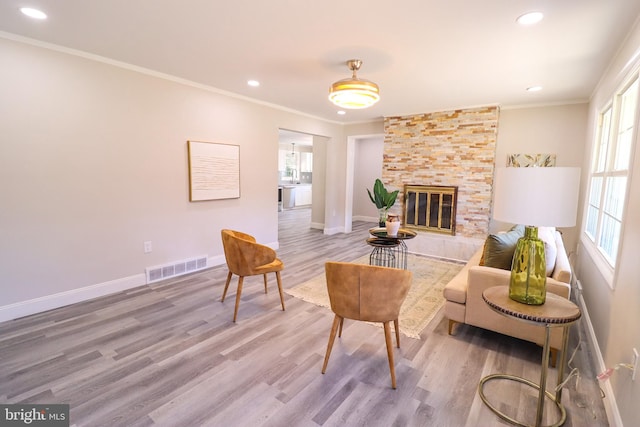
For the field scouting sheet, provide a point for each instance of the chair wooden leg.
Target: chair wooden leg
(397, 327)
(226, 286)
(265, 283)
(387, 338)
(279, 287)
(341, 323)
(452, 323)
(332, 337)
(235, 312)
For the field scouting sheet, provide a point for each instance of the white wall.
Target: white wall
(93, 162)
(559, 130)
(355, 134)
(367, 168)
(615, 312)
(318, 191)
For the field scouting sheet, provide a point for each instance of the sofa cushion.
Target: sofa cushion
(548, 236)
(562, 270)
(456, 289)
(499, 248)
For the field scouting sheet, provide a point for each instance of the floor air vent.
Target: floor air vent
(178, 268)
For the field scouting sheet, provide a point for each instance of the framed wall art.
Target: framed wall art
(214, 171)
(531, 160)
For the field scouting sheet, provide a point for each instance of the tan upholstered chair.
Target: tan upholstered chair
(244, 258)
(369, 293)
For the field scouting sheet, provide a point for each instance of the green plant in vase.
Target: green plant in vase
(383, 200)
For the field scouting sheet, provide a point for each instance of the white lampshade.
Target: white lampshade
(536, 196)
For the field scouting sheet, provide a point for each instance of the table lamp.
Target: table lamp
(534, 197)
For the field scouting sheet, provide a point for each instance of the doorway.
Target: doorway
(364, 165)
(295, 175)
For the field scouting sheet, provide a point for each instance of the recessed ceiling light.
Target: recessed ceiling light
(342, 113)
(33, 13)
(530, 18)
(534, 89)
(253, 83)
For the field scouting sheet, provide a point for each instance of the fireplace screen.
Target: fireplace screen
(430, 207)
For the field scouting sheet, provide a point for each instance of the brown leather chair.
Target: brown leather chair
(369, 293)
(244, 258)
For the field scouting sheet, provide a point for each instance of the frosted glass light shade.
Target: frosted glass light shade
(354, 93)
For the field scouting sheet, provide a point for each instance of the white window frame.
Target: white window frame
(592, 243)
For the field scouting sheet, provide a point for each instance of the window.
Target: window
(610, 171)
(306, 161)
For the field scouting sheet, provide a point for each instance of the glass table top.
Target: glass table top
(403, 233)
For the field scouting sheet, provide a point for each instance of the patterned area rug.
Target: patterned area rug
(430, 276)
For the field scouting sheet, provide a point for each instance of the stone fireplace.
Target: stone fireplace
(452, 149)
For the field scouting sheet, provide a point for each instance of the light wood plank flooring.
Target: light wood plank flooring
(168, 354)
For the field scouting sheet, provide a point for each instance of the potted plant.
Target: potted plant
(383, 200)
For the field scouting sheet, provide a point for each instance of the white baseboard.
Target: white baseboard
(332, 231)
(61, 299)
(220, 259)
(610, 405)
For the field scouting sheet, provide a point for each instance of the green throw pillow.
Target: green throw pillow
(499, 248)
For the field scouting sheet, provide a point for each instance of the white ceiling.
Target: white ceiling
(426, 55)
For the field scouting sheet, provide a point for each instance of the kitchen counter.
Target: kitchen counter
(295, 195)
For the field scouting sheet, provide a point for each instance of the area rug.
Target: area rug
(430, 276)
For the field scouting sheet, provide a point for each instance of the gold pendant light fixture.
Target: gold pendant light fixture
(354, 93)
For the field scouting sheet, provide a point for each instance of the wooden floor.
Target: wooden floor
(168, 354)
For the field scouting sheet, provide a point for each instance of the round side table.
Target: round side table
(555, 312)
(384, 252)
(389, 251)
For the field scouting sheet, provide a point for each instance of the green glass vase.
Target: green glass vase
(528, 283)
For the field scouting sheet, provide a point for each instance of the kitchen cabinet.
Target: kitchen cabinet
(302, 195)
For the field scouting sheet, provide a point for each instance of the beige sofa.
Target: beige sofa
(464, 303)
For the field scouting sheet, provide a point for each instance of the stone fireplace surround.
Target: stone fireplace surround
(448, 148)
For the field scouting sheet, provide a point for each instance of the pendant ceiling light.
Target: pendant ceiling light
(353, 92)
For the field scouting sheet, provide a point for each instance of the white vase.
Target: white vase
(392, 228)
